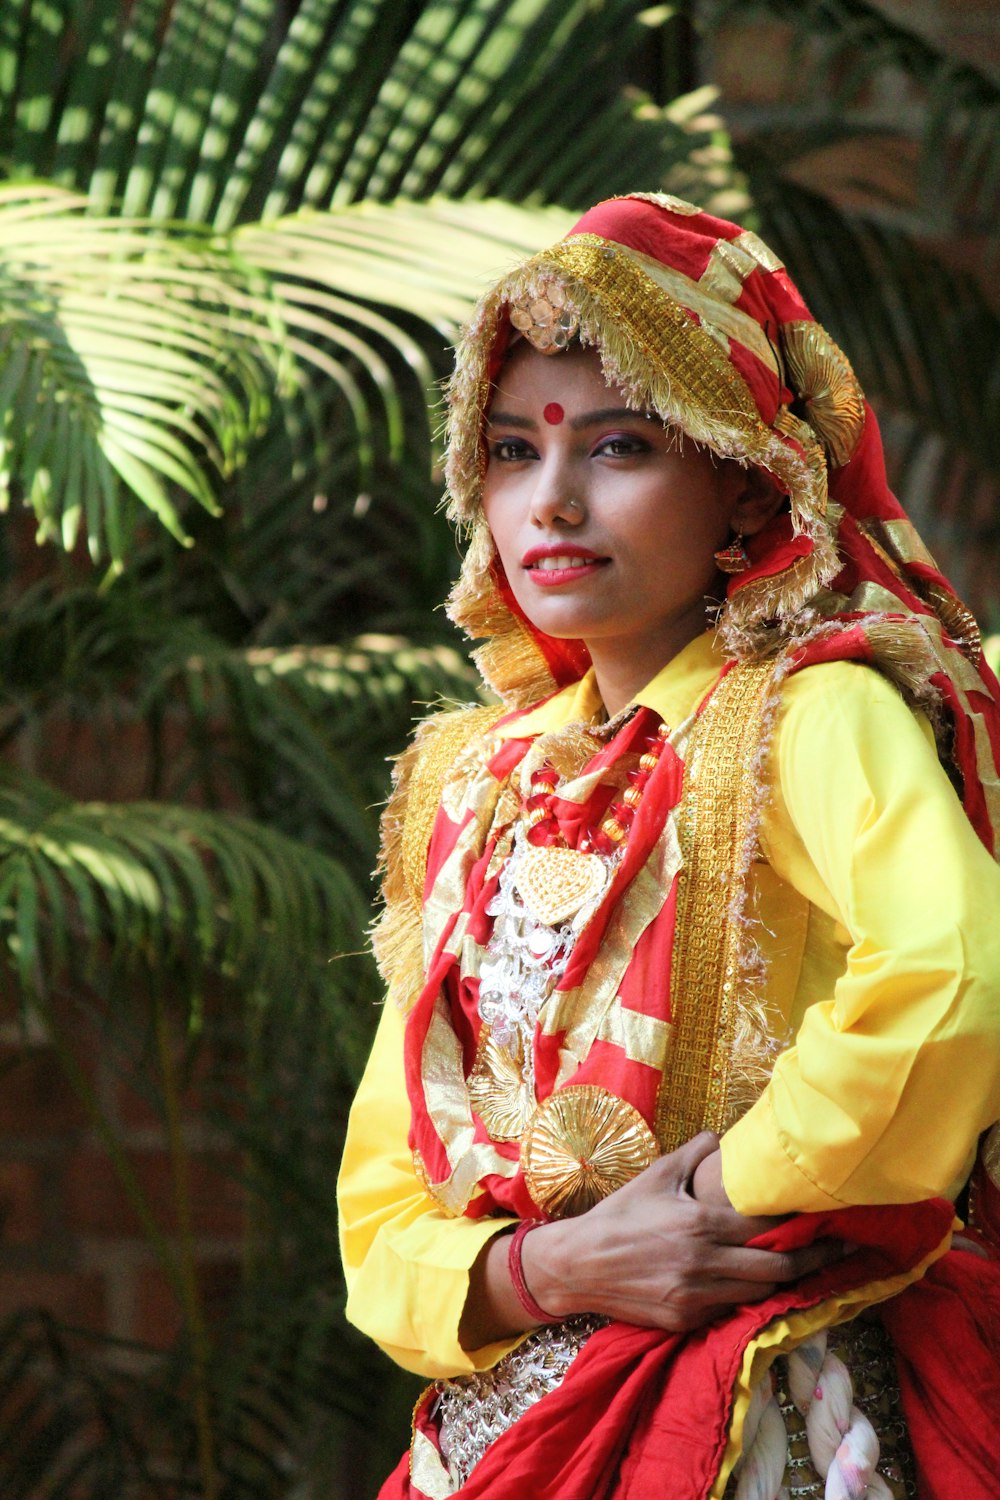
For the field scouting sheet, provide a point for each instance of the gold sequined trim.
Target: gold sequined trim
(707, 1000)
(583, 1143)
(718, 316)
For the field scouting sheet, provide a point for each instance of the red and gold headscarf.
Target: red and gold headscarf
(697, 320)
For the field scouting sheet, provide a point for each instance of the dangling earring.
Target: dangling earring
(733, 558)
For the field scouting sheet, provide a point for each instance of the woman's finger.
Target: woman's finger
(773, 1266)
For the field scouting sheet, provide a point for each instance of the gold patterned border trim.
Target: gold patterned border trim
(717, 819)
(716, 311)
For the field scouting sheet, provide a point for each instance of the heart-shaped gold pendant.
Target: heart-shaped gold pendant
(555, 882)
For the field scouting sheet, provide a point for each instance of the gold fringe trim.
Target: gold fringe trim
(418, 778)
(749, 616)
(903, 653)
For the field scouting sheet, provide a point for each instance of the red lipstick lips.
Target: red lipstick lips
(561, 563)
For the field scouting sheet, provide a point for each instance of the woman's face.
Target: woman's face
(605, 526)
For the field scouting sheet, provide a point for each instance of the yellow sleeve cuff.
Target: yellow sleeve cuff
(412, 1294)
(759, 1172)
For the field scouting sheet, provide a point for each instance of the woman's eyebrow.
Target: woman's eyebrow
(507, 419)
(586, 419)
(609, 414)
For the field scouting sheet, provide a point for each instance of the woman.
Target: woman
(690, 942)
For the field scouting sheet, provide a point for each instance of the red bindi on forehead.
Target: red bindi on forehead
(553, 413)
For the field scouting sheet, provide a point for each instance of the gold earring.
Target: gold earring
(734, 557)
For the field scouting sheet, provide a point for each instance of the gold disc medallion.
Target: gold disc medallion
(583, 1143)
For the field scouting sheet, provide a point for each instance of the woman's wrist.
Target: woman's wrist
(494, 1310)
(515, 1269)
(545, 1264)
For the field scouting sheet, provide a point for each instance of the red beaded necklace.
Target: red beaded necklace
(561, 884)
(611, 833)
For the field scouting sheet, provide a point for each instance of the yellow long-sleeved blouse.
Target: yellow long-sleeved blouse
(879, 917)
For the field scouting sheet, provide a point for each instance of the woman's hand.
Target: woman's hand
(651, 1254)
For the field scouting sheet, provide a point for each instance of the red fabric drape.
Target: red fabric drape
(640, 1409)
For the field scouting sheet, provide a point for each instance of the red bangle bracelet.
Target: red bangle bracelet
(517, 1281)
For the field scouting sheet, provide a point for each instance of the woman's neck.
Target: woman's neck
(622, 669)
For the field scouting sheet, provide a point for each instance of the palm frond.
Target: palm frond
(94, 888)
(437, 255)
(231, 113)
(303, 727)
(298, 733)
(122, 375)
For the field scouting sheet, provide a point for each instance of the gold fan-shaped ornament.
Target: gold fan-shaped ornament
(583, 1144)
(821, 374)
(498, 1091)
(957, 619)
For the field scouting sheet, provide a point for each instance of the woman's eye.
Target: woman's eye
(623, 445)
(510, 450)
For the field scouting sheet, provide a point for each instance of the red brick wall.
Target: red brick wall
(70, 1241)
